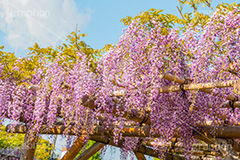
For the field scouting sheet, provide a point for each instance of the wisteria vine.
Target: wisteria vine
(134, 66)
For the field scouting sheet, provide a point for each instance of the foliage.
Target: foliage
(15, 141)
(10, 140)
(194, 18)
(24, 68)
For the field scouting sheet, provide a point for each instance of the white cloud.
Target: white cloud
(25, 22)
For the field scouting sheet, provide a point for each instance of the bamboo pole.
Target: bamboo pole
(198, 86)
(227, 104)
(90, 151)
(181, 81)
(173, 78)
(75, 148)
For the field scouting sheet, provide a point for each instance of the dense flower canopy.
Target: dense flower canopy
(134, 67)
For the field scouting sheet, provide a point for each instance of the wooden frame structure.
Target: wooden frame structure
(224, 135)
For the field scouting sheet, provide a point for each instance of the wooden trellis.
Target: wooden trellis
(223, 135)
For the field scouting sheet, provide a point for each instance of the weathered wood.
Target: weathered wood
(54, 144)
(198, 86)
(203, 133)
(29, 147)
(181, 81)
(198, 153)
(90, 151)
(132, 131)
(141, 149)
(56, 129)
(144, 131)
(197, 146)
(227, 104)
(75, 148)
(199, 149)
(226, 149)
(140, 156)
(174, 78)
(229, 132)
(135, 115)
(230, 97)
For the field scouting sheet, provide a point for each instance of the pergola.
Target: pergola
(223, 136)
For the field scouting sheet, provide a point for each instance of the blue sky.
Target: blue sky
(24, 22)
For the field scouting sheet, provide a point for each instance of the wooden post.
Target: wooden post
(75, 148)
(90, 151)
(140, 156)
(54, 143)
(29, 147)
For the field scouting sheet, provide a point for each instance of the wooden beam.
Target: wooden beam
(141, 149)
(227, 104)
(204, 132)
(229, 132)
(134, 115)
(198, 153)
(75, 148)
(181, 81)
(145, 130)
(131, 131)
(197, 146)
(174, 78)
(140, 156)
(109, 141)
(90, 151)
(198, 86)
(29, 147)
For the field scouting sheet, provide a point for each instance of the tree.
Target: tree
(20, 69)
(15, 141)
